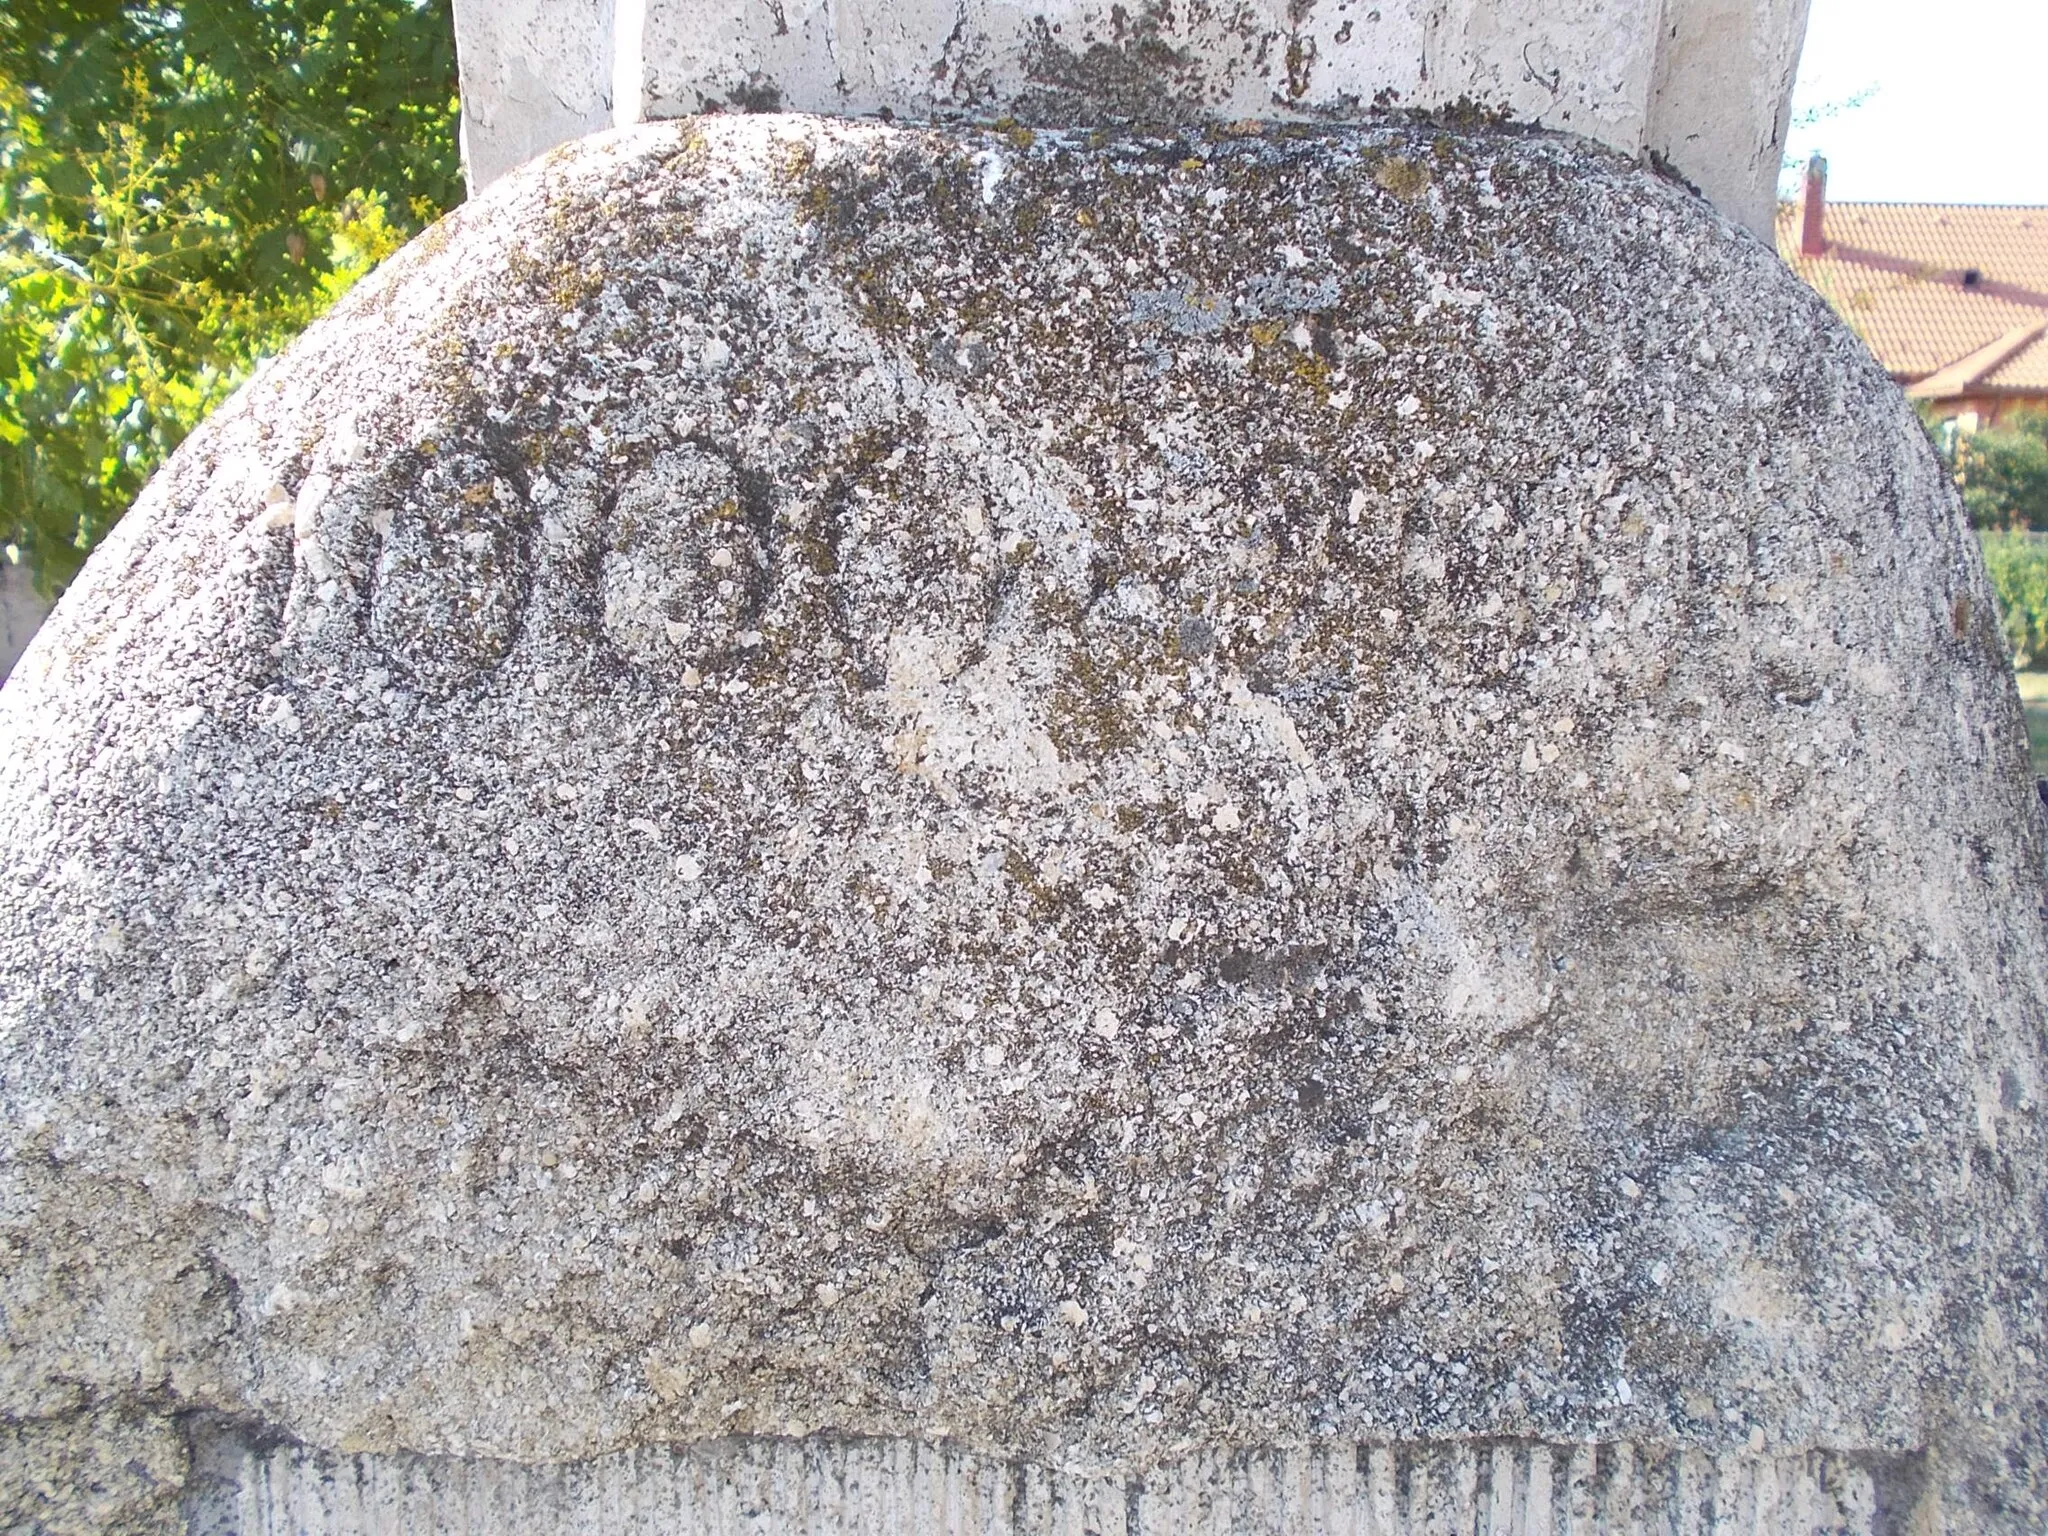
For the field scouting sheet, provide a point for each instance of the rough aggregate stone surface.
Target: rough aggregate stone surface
(1072, 794)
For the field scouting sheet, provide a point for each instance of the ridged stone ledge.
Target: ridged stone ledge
(824, 1488)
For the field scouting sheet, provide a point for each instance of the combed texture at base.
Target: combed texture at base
(902, 1488)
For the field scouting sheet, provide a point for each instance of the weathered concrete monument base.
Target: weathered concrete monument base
(885, 828)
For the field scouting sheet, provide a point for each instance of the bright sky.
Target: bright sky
(1954, 100)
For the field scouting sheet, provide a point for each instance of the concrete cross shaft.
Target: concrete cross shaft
(1703, 85)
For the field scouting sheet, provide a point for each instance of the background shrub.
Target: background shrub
(2002, 471)
(2018, 563)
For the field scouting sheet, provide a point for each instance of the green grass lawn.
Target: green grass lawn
(2034, 697)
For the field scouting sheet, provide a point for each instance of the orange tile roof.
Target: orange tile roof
(1936, 288)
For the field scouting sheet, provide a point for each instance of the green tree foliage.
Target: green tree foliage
(2004, 474)
(182, 189)
(2002, 471)
(2017, 563)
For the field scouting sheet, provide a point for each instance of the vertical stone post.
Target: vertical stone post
(534, 74)
(1703, 85)
(1723, 97)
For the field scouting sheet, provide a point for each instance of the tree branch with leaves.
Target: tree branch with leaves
(182, 190)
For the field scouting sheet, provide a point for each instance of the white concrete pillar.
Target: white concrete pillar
(22, 611)
(1722, 98)
(534, 74)
(1705, 85)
